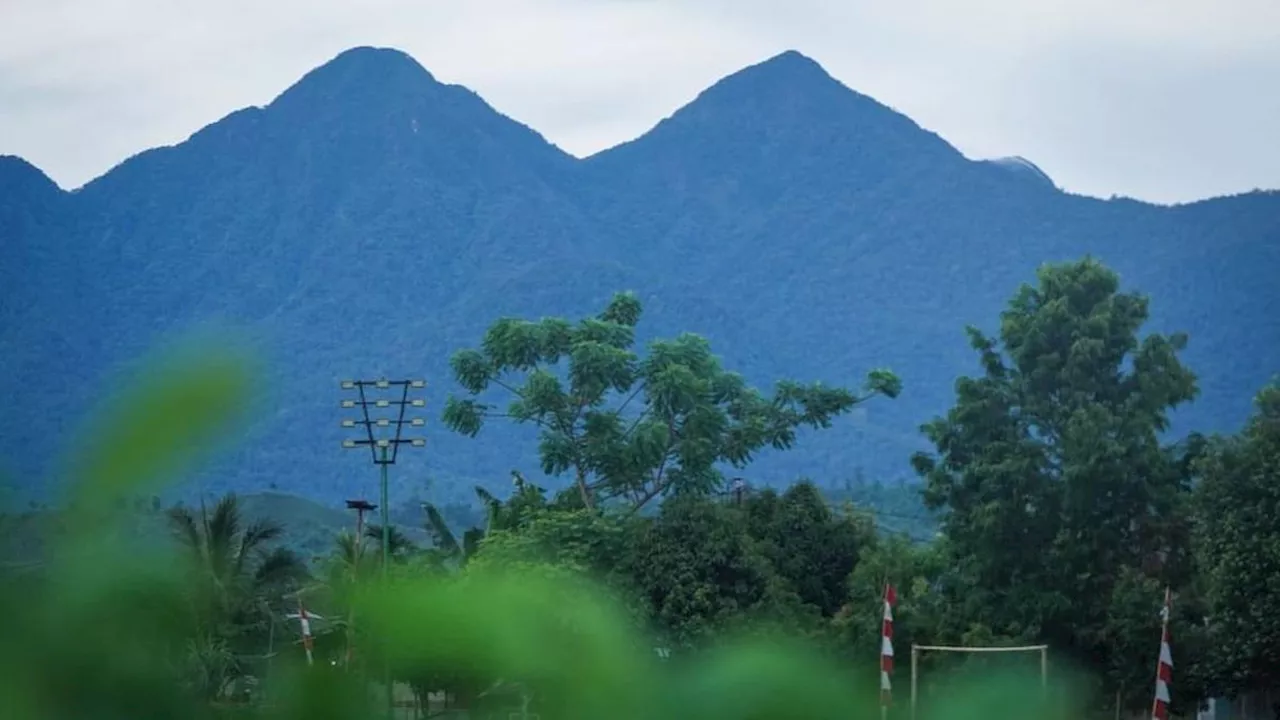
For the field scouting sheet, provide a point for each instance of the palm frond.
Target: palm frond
(485, 497)
(441, 536)
(471, 540)
(253, 540)
(279, 567)
(397, 541)
(400, 543)
(349, 548)
(492, 508)
(183, 525)
(222, 531)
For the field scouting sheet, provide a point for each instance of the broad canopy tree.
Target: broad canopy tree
(1238, 548)
(812, 546)
(631, 428)
(1050, 468)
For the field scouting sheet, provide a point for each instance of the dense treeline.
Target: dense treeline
(1064, 509)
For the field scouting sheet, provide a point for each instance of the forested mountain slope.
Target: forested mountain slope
(371, 220)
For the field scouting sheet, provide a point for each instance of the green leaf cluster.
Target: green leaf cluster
(1237, 547)
(630, 428)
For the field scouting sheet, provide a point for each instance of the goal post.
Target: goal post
(1043, 650)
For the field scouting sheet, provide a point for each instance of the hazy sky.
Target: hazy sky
(1165, 100)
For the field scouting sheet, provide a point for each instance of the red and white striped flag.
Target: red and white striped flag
(886, 644)
(1164, 668)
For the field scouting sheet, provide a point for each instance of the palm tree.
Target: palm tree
(354, 561)
(237, 578)
(447, 551)
(399, 546)
(455, 552)
(236, 562)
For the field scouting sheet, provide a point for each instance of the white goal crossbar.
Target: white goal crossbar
(917, 649)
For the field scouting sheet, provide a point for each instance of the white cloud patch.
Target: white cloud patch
(1165, 101)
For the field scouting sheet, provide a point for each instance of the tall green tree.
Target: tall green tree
(701, 573)
(914, 569)
(630, 428)
(810, 545)
(1050, 468)
(1238, 549)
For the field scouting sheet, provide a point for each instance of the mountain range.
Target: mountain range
(371, 220)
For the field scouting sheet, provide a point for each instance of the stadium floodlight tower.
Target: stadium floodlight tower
(378, 399)
(383, 397)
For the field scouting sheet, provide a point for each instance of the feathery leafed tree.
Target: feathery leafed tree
(631, 428)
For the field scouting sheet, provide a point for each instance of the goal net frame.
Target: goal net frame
(916, 650)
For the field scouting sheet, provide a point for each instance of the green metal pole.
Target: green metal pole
(386, 561)
(386, 525)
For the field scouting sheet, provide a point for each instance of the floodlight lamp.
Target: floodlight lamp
(382, 403)
(348, 403)
(418, 403)
(383, 384)
(382, 422)
(383, 443)
(418, 442)
(348, 384)
(348, 443)
(417, 422)
(418, 384)
(348, 423)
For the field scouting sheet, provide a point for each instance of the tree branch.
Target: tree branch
(659, 485)
(535, 420)
(636, 423)
(647, 497)
(639, 386)
(508, 388)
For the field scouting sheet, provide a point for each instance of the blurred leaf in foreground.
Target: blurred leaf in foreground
(146, 434)
(564, 644)
(100, 632)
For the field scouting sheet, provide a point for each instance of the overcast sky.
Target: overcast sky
(1164, 100)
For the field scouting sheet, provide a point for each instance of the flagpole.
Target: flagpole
(886, 648)
(884, 706)
(1164, 663)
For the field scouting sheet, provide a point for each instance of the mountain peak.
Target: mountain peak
(354, 72)
(367, 58)
(789, 72)
(789, 106)
(795, 87)
(18, 175)
(793, 62)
